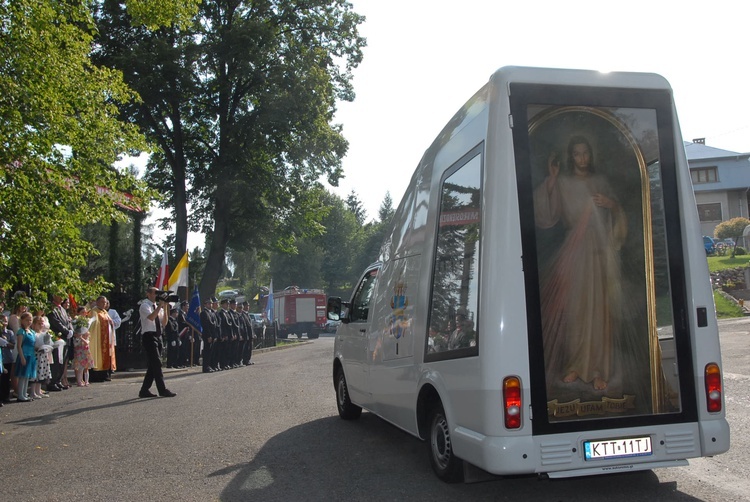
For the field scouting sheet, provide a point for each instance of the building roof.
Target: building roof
(700, 151)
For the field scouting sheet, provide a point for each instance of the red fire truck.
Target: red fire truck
(299, 311)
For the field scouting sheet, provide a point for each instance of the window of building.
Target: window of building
(709, 212)
(704, 175)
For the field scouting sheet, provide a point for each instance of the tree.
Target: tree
(386, 211)
(241, 106)
(732, 229)
(60, 132)
(355, 206)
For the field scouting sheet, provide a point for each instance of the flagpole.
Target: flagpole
(192, 347)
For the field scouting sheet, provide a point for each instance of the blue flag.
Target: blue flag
(269, 303)
(193, 318)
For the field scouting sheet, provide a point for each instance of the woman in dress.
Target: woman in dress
(25, 367)
(42, 351)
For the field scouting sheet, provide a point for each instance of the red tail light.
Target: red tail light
(713, 387)
(512, 402)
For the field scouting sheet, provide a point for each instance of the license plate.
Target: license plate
(617, 448)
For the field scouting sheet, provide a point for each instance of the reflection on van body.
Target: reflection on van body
(542, 303)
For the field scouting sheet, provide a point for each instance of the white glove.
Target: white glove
(70, 334)
(174, 344)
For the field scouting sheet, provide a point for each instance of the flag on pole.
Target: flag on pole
(193, 318)
(180, 275)
(73, 304)
(161, 279)
(269, 303)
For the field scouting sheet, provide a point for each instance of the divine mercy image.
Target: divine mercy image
(593, 227)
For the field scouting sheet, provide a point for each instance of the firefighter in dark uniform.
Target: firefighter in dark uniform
(239, 342)
(208, 322)
(186, 336)
(171, 330)
(247, 330)
(228, 334)
(218, 346)
(248, 353)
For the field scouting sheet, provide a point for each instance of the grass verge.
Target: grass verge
(716, 263)
(726, 308)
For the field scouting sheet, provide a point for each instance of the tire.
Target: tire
(347, 410)
(446, 465)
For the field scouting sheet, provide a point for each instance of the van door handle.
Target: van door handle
(363, 331)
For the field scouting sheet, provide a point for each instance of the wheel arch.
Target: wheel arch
(337, 366)
(427, 398)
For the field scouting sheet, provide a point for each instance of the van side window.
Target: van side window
(455, 287)
(361, 301)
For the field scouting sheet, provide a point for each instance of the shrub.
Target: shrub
(739, 251)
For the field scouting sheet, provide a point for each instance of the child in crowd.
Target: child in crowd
(25, 367)
(82, 360)
(42, 347)
(8, 378)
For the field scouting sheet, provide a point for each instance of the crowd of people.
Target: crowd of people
(39, 345)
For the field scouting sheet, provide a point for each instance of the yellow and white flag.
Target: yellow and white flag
(180, 275)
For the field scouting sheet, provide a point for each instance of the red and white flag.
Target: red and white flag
(163, 277)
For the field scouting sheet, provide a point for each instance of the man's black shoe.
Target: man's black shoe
(147, 393)
(167, 393)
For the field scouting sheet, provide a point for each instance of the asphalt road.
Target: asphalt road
(270, 432)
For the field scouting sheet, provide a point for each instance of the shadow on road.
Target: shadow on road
(368, 459)
(51, 418)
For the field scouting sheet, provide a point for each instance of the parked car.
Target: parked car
(710, 244)
(229, 293)
(257, 320)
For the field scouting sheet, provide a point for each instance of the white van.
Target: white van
(542, 303)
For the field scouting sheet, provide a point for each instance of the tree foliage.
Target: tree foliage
(241, 105)
(732, 229)
(60, 132)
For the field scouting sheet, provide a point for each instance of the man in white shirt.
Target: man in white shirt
(153, 320)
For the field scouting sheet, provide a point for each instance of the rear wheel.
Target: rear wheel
(444, 462)
(347, 410)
